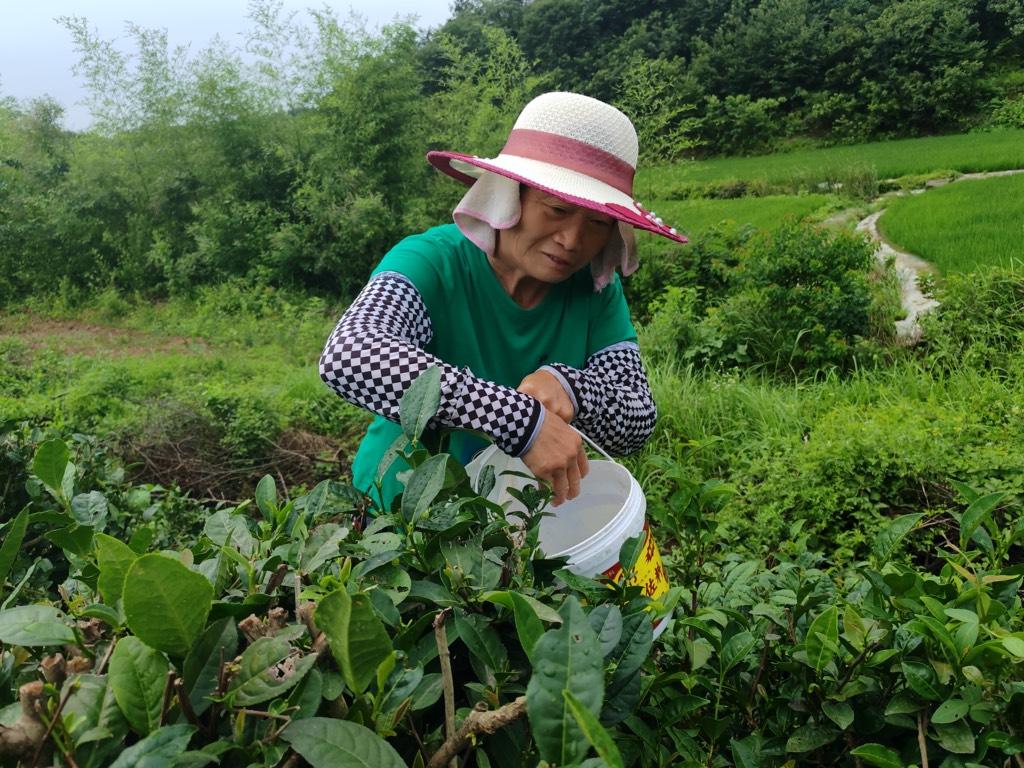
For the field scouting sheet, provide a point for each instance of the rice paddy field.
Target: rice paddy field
(990, 151)
(694, 216)
(963, 226)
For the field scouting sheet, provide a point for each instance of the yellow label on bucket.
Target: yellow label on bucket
(648, 573)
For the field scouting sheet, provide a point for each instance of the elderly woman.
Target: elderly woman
(518, 302)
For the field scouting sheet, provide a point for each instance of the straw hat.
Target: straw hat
(571, 146)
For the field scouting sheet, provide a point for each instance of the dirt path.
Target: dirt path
(909, 266)
(75, 337)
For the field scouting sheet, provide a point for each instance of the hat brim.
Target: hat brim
(571, 186)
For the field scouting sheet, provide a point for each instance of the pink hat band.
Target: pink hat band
(573, 154)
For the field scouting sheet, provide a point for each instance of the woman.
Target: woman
(528, 338)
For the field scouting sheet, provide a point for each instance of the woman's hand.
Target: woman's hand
(558, 456)
(552, 395)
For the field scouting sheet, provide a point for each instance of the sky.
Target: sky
(37, 56)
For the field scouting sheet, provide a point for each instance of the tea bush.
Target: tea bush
(302, 630)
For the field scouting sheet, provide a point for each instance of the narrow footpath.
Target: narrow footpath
(908, 266)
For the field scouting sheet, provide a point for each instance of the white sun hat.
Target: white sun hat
(568, 145)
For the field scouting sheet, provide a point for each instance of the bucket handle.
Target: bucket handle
(592, 444)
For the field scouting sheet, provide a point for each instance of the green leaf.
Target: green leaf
(266, 497)
(113, 558)
(227, 529)
(33, 625)
(419, 403)
(598, 737)
(607, 623)
(922, 680)
(567, 658)
(49, 464)
(808, 738)
(158, 750)
(422, 487)
(735, 650)
(976, 514)
(888, 539)
(90, 509)
(266, 670)
(322, 544)
(633, 649)
(138, 675)
(1014, 645)
(357, 637)
(482, 641)
(202, 665)
(950, 711)
(325, 742)
(75, 538)
(822, 640)
(93, 711)
(839, 712)
(956, 737)
(12, 545)
(878, 755)
(165, 603)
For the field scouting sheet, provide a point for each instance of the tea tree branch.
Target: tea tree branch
(921, 743)
(441, 636)
(480, 720)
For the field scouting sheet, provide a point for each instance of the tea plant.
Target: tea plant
(308, 630)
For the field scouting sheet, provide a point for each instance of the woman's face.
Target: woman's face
(553, 238)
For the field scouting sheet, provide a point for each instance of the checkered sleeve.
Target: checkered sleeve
(376, 351)
(613, 401)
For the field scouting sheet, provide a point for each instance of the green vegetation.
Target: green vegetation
(994, 150)
(694, 217)
(962, 227)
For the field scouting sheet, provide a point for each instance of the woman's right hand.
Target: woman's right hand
(559, 457)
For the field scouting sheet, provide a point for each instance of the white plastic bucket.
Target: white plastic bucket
(590, 529)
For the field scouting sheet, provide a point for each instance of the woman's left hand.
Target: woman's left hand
(549, 390)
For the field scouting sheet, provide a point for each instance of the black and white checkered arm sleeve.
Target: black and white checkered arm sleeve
(376, 351)
(613, 401)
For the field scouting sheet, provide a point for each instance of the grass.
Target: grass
(233, 369)
(961, 227)
(695, 216)
(991, 151)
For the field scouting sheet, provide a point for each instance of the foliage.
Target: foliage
(792, 299)
(337, 612)
(939, 226)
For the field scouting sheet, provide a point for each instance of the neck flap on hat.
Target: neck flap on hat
(492, 203)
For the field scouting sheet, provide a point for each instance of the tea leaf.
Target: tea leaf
(266, 497)
(49, 464)
(567, 658)
(165, 603)
(735, 650)
(922, 680)
(34, 625)
(138, 675)
(607, 623)
(423, 487)
(356, 636)
(839, 712)
(114, 558)
(202, 665)
(823, 638)
(322, 544)
(976, 514)
(266, 670)
(419, 403)
(158, 750)
(888, 540)
(12, 545)
(808, 738)
(877, 755)
(482, 641)
(592, 729)
(950, 711)
(956, 737)
(325, 742)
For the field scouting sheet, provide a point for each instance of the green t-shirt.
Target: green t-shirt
(476, 325)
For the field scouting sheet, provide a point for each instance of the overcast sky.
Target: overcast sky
(36, 55)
